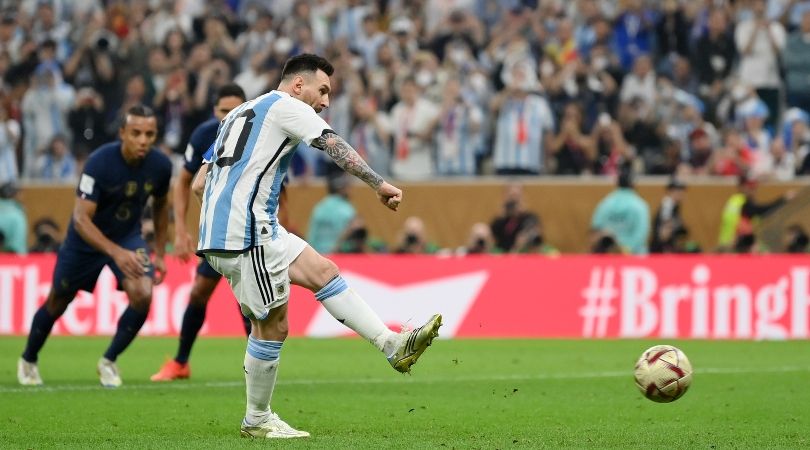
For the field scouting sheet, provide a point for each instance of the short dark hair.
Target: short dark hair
(139, 110)
(231, 90)
(306, 62)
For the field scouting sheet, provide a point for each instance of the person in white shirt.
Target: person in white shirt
(776, 164)
(759, 42)
(412, 119)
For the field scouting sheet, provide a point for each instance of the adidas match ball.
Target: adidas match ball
(663, 373)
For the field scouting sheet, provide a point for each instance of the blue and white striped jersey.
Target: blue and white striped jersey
(519, 132)
(252, 151)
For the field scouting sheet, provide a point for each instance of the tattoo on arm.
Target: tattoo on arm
(347, 158)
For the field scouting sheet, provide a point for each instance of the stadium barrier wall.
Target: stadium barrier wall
(705, 297)
(450, 208)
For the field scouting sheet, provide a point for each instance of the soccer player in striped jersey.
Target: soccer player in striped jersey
(206, 280)
(241, 238)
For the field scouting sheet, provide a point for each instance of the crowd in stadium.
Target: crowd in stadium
(428, 88)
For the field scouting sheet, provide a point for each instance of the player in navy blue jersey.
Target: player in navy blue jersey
(229, 97)
(105, 230)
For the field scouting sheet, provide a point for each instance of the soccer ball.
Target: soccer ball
(663, 373)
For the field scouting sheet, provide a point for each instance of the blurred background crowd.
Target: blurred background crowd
(429, 89)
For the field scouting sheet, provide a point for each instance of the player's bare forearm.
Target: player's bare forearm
(160, 208)
(83, 214)
(347, 158)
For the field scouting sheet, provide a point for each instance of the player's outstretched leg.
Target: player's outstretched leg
(41, 326)
(413, 343)
(401, 349)
(261, 369)
(140, 297)
(311, 269)
(193, 319)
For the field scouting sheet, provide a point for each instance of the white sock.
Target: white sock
(349, 309)
(260, 379)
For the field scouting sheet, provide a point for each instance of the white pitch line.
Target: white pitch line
(410, 380)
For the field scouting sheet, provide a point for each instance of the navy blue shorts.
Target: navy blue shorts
(78, 269)
(205, 270)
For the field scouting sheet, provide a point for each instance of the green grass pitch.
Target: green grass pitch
(488, 394)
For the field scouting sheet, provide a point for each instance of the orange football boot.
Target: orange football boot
(172, 370)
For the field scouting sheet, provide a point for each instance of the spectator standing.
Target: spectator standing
(412, 118)
(371, 134)
(86, 120)
(572, 147)
(640, 84)
(760, 42)
(633, 32)
(9, 137)
(45, 107)
(797, 65)
(713, 58)
(524, 124)
(458, 130)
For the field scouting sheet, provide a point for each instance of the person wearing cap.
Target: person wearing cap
(404, 43)
(700, 153)
(13, 221)
(753, 113)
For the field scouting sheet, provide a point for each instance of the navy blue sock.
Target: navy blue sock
(41, 327)
(128, 326)
(193, 320)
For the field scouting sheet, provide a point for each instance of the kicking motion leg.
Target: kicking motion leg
(320, 275)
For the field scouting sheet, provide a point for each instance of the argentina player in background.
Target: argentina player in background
(105, 229)
(206, 278)
(241, 237)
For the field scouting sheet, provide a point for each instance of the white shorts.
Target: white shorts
(260, 277)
